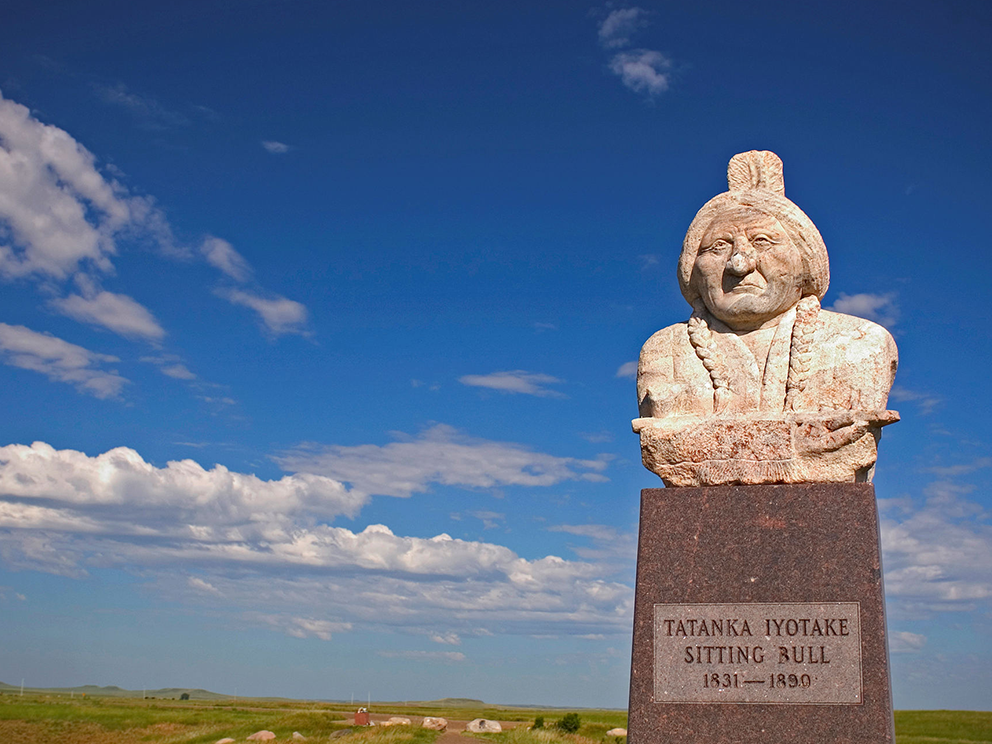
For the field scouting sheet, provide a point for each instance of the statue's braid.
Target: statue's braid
(801, 351)
(702, 342)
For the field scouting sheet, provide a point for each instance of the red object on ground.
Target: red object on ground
(362, 717)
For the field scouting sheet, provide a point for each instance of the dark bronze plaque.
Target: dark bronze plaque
(787, 653)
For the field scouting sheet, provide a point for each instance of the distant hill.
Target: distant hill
(115, 691)
(455, 703)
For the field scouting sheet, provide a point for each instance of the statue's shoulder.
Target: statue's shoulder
(666, 339)
(852, 331)
(852, 325)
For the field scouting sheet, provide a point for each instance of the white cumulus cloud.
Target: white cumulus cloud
(61, 211)
(265, 548)
(60, 361)
(182, 496)
(62, 218)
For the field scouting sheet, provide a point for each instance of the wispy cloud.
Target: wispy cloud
(490, 520)
(63, 218)
(880, 308)
(597, 437)
(170, 365)
(200, 585)
(221, 255)
(440, 455)
(926, 402)
(279, 315)
(620, 25)
(644, 71)
(147, 112)
(451, 656)
(938, 555)
(904, 642)
(627, 369)
(449, 639)
(953, 471)
(516, 381)
(60, 361)
(607, 542)
(117, 312)
(276, 148)
(302, 627)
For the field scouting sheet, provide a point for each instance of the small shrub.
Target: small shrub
(569, 723)
(538, 722)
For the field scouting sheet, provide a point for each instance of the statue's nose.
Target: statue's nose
(742, 261)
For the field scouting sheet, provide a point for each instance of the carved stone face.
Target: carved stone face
(747, 271)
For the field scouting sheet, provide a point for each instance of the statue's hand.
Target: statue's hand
(828, 432)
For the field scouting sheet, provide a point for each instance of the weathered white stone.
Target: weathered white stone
(483, 726)
(225, 740)
(617, 732)
(761, 385)
(396, 721)
(298, 736)
(434, 724)
(262, 735)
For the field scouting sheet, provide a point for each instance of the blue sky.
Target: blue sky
(316, 322)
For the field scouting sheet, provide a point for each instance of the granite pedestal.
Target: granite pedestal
(759, 617)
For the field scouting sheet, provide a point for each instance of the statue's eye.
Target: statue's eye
(716, 246)
(761, 241)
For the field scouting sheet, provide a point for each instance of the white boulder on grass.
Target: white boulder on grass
(225, 740)
(617, 732)
(396, 721)
(262, 735)
(483, 726)
(297, 735)
(435, 724)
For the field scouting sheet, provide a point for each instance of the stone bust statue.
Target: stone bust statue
(761, 385)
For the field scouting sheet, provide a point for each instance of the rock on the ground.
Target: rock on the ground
(339, 733)
(483, 726)
(396, 721)
(225, 740)
(617, 732)
(262, 735)
(298, 735)
(435, 724)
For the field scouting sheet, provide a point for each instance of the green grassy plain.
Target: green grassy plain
(53, 718)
